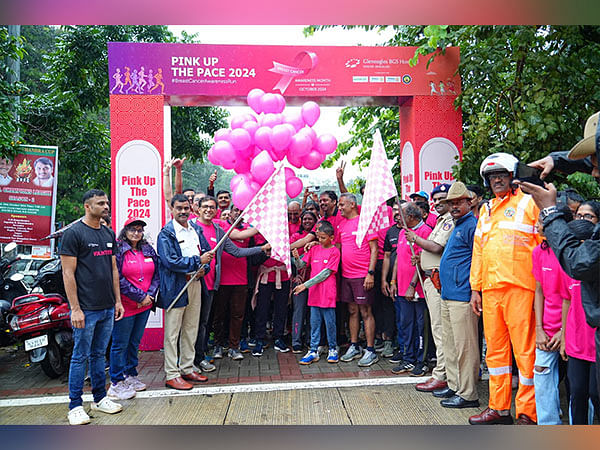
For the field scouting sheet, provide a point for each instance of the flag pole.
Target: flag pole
(213, 250)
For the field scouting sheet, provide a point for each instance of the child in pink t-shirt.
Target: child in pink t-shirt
(548, 302)
(323, 260)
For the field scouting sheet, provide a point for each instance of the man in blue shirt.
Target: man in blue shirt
(459, 323)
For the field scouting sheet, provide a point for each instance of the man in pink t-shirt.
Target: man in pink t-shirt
(358, 279)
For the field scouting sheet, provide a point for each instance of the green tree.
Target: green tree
(10, 48)
(70, 106)
(527, 90)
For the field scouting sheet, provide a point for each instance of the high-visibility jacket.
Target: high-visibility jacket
(504, 241)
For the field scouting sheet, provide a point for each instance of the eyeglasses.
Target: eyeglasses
(208, 207)
(135, 230)
(501, 175)
(585, 216)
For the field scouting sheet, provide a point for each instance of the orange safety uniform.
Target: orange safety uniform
(502, 270)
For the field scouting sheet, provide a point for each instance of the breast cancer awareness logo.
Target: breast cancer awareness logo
(288, 73)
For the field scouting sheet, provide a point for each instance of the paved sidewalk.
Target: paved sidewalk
(19, 378)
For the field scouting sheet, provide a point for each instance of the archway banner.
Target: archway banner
(233, 70)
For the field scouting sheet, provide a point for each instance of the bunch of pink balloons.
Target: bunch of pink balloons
(255, 142)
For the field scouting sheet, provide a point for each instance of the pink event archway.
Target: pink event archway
(146, 79)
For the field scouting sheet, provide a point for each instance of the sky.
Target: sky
(293, 35)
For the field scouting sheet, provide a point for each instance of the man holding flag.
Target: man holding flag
(356, 256)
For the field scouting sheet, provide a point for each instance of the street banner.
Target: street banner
(379, 188)
(28, 195)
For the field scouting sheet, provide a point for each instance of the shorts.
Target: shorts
(352, 291)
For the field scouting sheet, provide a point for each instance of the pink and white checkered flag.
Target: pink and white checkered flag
(380, 187)
(267, 211)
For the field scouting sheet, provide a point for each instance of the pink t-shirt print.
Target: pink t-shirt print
(323, 294)
(355, 260)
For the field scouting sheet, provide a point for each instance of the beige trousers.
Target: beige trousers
(434, 302)
(181, 324)
(461, 348)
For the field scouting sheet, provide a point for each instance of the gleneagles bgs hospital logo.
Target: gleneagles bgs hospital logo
(352, 63)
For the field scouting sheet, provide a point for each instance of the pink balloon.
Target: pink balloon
(269, 103)
(253, 99)
(300, 144)
(294, 118)
(243, 194)
(280, 103)
(249, 116)
(270, 120)
(308, 131)
(223, 151)
(294, 160)
(262, 138)
(257, 150)
(222, 134)
(289, 173)
(326, 144)
(281, 136)
(310, 113)
(255, 186)
(290, 127)
(240, 139)
(278, 154)
(212, 158)
(242, 165)
(238, 121)
(262, 167)
(251, 127)
(293, 187)
(313, 159)
(237, 179)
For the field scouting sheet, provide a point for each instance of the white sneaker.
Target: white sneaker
(78, 416)
(120, 391)
(135, 383)
(106, 405)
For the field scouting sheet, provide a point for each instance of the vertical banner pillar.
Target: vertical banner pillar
(430, 142)
(137, 154)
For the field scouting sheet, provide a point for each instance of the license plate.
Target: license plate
(36, 342)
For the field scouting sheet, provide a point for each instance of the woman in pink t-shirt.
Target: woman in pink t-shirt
(578, 346)
(138, 269)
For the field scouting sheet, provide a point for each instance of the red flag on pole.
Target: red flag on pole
(267, 211)
(379, 188)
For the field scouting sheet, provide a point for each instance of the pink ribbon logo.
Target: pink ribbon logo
(288, 73)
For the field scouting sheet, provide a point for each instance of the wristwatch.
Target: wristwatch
(371, 272)
(547, 211)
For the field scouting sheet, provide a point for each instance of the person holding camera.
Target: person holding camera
(580, 260)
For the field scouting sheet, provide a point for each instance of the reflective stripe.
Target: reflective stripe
(505, 225)
(478, 232)
(485, 227)
(521, 208)
(525, 381)
(499, 370)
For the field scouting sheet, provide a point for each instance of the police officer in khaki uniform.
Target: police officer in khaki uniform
(430, 263)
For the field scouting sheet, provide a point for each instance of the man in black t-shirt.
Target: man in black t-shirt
(92, 285)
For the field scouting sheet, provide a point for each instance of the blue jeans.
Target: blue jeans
(412, 328)
(126, 336)
(89, 343)
(299, 305)
(317, 317)
(547, 400)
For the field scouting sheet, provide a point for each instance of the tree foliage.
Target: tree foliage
(66, 70)
(526, 90)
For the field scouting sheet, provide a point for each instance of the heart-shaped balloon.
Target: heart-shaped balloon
(253, 99)
(310, 113)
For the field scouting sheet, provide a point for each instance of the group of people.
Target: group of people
(412, 293)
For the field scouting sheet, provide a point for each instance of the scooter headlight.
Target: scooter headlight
(14, 323)
(45, 316)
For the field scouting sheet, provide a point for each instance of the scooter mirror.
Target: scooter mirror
(10, 247)
(17, 276)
